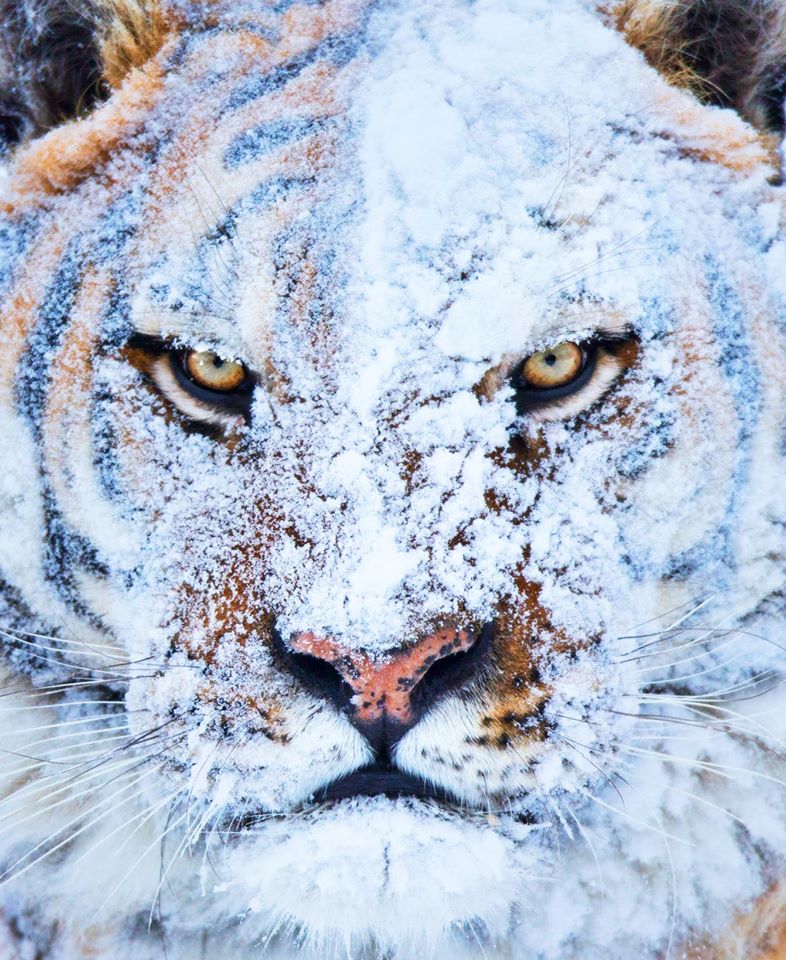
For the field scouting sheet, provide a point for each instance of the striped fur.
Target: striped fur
(240, 184)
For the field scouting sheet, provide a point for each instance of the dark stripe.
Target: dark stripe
(116, 328)
(655, 435)
(336, 51)
(65, 550)
(15, 239)
(120, 222)
(15, 614)
(105, 444)
(54, 315)
(253, 88)
(198, 292)
(709, 551)
(656, 440)
(263, 195)
(281, 6)
(116, 229)
(739, 368)
(253, 144)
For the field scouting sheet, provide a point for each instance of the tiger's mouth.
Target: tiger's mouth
(378, 781)
(375, 781)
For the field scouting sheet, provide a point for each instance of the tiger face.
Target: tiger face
(392, 530)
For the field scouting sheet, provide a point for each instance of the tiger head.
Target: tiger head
(392, 524)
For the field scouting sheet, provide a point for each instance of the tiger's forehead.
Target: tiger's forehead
(465, 168)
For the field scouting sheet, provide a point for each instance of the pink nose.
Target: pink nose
(383, 688)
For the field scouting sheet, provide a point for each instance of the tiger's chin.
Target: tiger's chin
(373, 872)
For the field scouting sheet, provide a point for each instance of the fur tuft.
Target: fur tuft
(131, 32)
(731, 53)
(58, 58)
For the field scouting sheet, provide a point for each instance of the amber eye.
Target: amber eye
(212, 372)
(555, 373)
(571, 376)
(557, 366)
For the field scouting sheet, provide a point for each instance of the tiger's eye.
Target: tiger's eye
(207, 369)
(555, 367)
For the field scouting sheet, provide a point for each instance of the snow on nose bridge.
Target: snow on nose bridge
(400, 487)
(375, 554)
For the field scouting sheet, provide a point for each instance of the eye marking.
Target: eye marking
(205, 385)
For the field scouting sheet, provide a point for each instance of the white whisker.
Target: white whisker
(12, 872)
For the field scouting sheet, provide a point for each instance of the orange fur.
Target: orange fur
(648, 25)
(72, 153)
(759, 934)
(131, 32)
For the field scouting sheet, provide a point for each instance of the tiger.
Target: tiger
(392, 525)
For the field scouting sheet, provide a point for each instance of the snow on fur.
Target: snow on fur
(502, 177)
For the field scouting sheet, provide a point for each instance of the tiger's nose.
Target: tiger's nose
(392, 691)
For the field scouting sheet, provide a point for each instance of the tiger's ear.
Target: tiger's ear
(58, 57)
(728, 52)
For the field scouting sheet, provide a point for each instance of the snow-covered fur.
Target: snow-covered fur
(376, 220)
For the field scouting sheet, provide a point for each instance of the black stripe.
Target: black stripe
(15, 614)
(264, 195)
(104, 444)
(16, 238)
(116, 328)
(254, 88)
(64, 549)
(281, 6)
(738, 366)
(658, 437)
(686, 565)
(253, 144)
(54, 315)
(740, 369)
(116, 229)
(336, 51)
(197, 294)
